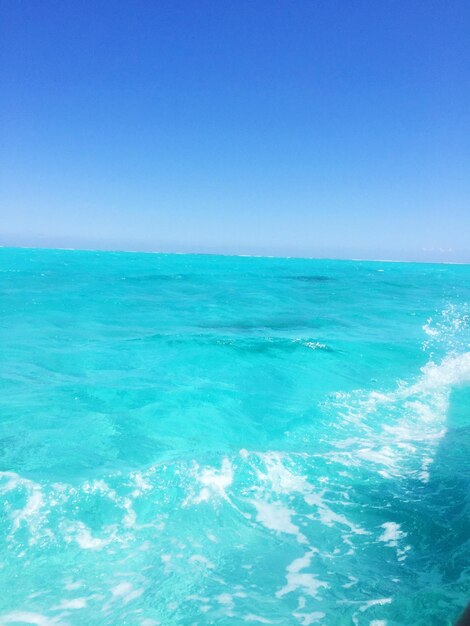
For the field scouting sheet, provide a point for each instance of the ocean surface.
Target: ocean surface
(192, 439)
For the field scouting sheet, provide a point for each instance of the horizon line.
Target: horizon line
(231, 254)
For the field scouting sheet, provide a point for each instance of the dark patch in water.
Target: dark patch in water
(151, 278)
(389, 283)
(245, 344)
(274, 325)
(464, 619)
(271, 343)
(311, 279)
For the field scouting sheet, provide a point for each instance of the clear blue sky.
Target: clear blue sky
(303, 127)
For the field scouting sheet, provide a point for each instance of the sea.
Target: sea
(203, 439)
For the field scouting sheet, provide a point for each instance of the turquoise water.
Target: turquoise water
(221, 440)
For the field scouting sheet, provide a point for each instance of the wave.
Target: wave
(329, 531)
(398, 430)
(243, 344)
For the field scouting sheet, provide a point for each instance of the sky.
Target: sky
(297, 127)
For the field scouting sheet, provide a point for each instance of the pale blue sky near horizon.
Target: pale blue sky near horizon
(307, 128)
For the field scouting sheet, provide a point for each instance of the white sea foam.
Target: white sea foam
(142, 484)
(27, 617)
(126, 592)
(298, 580)
(34, 512)
(284, 481)
(429, 330)
(392, 536)
(281, 479)
(41, 500)
(275, 516)
(329, 517)
(415, 413)
(391, 533)
(75, 603)
(225, 599)
(214, 481)
(306, 619)
(379, 602)
(447, 329)
(79, 532)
